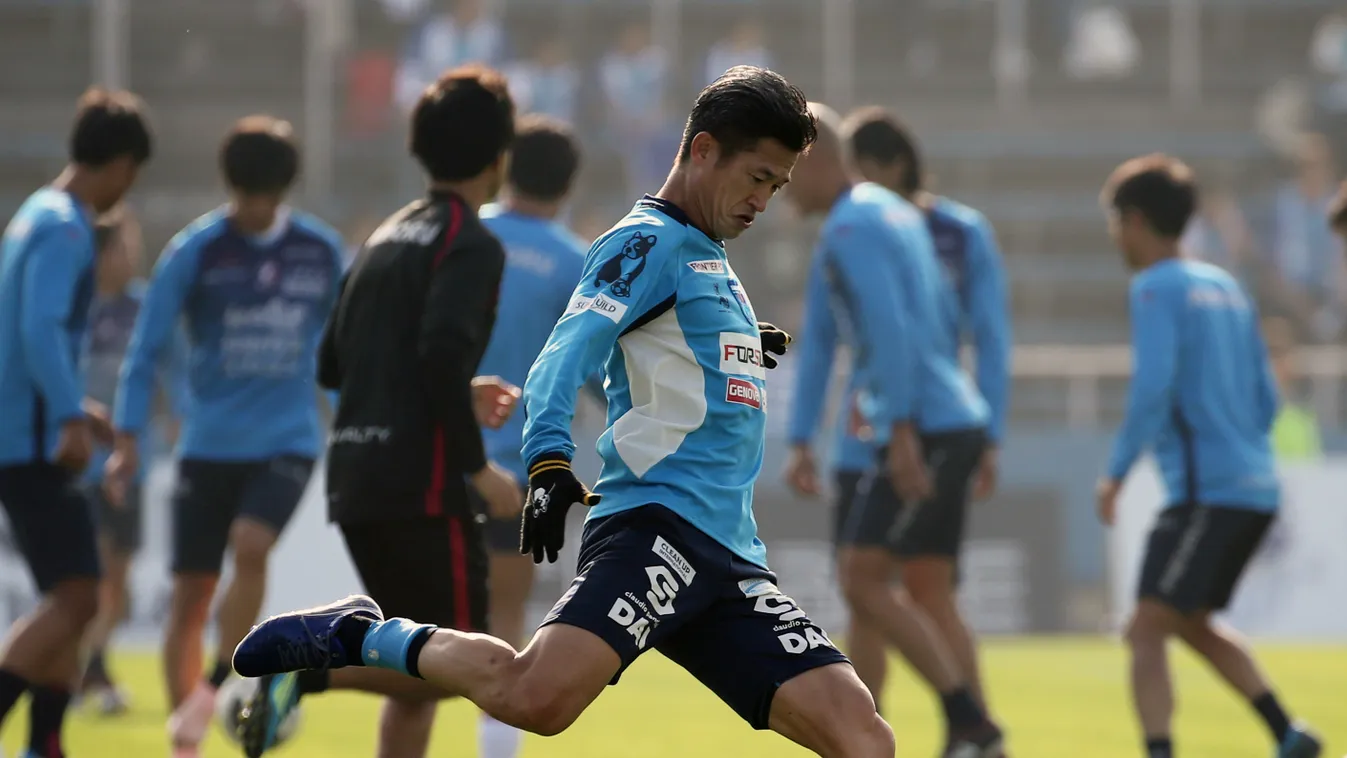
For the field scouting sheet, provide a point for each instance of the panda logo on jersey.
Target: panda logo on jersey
(622, 269)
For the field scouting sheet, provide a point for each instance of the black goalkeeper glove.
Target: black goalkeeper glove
(773, 341)
(553, 489)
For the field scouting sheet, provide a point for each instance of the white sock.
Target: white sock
(497, 740)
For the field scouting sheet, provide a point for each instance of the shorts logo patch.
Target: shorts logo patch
(599, 304)
(743, 392)
(741, 355)
(675, 560)
(707, 267)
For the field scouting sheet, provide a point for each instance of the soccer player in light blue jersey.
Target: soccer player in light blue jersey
(543, 261)
(670, 558)
(46, 423)
(883, 151)
(889, 300)
(253, 282)
(1202, 400)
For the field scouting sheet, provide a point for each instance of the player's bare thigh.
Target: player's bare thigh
(829, 711)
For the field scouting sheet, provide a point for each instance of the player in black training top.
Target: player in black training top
(411, 324)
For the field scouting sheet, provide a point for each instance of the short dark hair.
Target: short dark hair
(747, 104)
(259, 156)
(544, 158)
(1161, 188)
(1337, 211)
(880, 136)
(463, 123)
(108, 126)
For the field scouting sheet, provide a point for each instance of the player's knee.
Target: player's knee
(76, 601)
(873, 739)
(252, 543)
(929, 583)
(1145, 630)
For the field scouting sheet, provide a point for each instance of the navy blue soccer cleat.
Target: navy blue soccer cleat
(327, 637)
(1300, 742)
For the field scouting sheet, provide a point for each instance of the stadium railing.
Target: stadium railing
(1085, 368)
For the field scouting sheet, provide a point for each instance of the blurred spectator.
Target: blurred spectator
(1102, 44)
(369, 93)
(742, 47)
(1295, 433)
(1305, 256)
(403, 10)
(461, 32)
(1328, 53)
(548, 83)
(1220, 235)
(635, 77)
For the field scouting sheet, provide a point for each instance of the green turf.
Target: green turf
(1059, 698)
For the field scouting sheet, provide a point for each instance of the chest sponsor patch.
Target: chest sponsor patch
(707, 267)
(741, 354)
(600, 304)
(743, 392)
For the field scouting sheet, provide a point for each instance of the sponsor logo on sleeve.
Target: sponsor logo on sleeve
(600, 303)
(741, 354)
(707, 267)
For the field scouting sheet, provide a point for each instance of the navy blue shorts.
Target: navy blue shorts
(52, 522)
(878, 517)
(650, 580)
(210, 495)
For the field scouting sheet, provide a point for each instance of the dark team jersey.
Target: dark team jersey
(412, 321)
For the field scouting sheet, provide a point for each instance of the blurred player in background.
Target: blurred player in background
(670, 558)
(253, 281)
(886, 293)
(47, 426)
(117, 297)
(1203, 399)
(414, 317)
(543, 261)
(884, 152)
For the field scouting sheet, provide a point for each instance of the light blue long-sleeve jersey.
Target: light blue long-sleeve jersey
(659, 307)
(966, 245)
(254, 309)
(893, 305)
(46, 285)
(542, 266)
(112, 319)
(1202, 396)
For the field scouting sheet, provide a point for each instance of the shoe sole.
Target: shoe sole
(253, 726)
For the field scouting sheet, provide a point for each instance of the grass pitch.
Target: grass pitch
(1058, 697)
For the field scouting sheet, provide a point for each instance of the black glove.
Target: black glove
(773, 341)
(552, 490)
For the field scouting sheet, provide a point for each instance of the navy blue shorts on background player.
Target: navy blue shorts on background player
(877, 517)
(209, 495)
(650, 580)
(1196, 554)
(52, 522)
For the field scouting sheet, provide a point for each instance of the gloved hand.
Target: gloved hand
(552, 490)
(773, 341)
